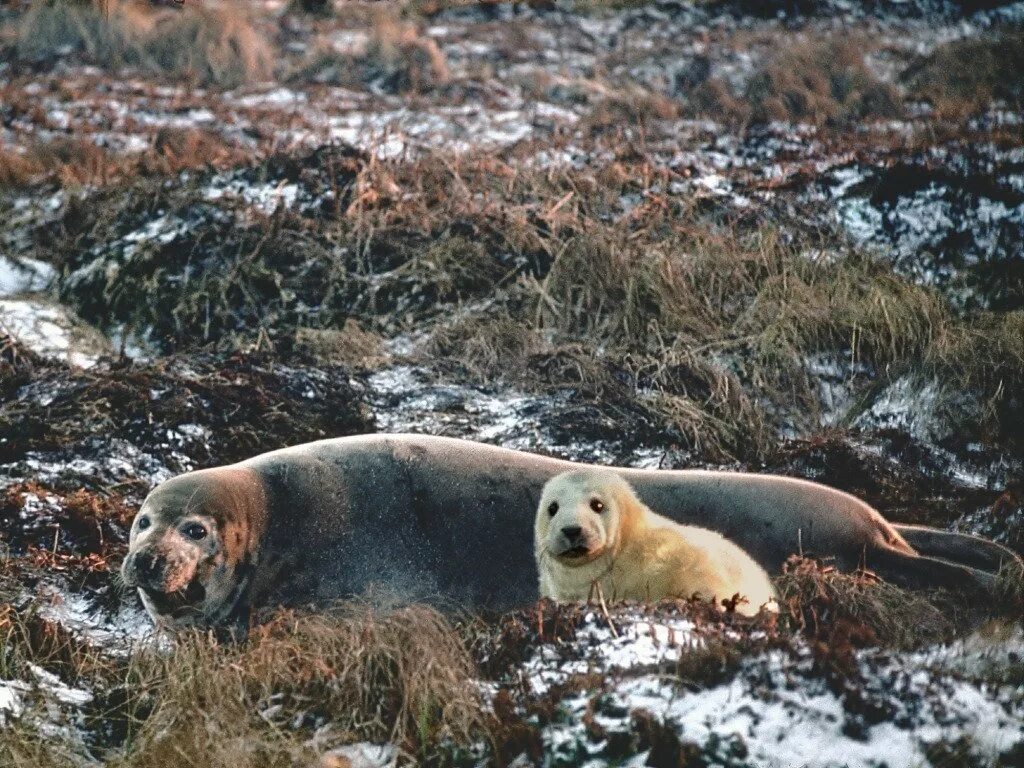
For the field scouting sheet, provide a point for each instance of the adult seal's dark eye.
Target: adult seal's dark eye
(195, 531)
(553, 508)
(143, 523)
(597, 505)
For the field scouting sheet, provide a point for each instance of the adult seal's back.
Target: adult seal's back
(445, 520)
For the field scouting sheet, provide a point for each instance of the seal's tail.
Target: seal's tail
(962, 548)
(926, 572)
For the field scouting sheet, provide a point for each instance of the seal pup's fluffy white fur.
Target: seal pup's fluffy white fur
(592, 529)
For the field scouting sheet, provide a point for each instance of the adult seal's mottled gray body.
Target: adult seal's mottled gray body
(431, 518)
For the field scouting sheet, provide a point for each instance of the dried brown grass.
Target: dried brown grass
(349, 345)
(701, 327)
(218, 47)
(402, 677)
(821, 601)
(964, 76)
(707, 317)
(296, 687)
(822, 81)
(79, 161)
(397, 59)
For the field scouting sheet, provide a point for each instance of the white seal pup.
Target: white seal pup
(592, 530)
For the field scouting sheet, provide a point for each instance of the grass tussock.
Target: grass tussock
(295, 688)
(675, 325)
(219, 47)
(78, 162)
(823, 82)
(350, 345)
(691, 320)
(403, 678)
(396, 59)
(985, 354)
(964, 76)
(825, 603)
(221, 271)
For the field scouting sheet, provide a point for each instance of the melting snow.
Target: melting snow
(12, 694)
(776, 712)
(51, 331)
(115, 632)
(266, 198)
(405, 400)
(114, 461)
(24, 276)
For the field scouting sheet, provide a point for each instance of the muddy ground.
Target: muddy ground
(773, 237)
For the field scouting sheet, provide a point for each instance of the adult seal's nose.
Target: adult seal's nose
(143, 566)
(572, 532)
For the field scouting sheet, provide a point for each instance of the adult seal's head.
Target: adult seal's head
(194, 544)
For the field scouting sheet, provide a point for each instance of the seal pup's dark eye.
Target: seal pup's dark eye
(195, 531)
(597, 505)
(143, 523)
(553, 508)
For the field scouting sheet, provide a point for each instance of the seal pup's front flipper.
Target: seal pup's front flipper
(961, 548)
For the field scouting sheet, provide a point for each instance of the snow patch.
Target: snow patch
(51, 331)
(24, 276)
(777, 711)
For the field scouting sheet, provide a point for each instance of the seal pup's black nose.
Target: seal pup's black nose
(572, 532)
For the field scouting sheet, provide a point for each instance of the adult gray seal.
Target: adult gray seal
(432, 518)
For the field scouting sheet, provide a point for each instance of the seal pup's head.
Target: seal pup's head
(583, 515)
(193, 545)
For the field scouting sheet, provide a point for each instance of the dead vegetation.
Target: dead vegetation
(656, 315)
(965, 76)
(242, 404)
(821, 81)
(302, 684)
(688, 330)
(297, 687)
(395, 59)
(218, 47)
(218, 271)
(822, 601)
(73, 163)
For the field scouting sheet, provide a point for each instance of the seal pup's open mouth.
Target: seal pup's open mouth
(575, 552)
(579, 555)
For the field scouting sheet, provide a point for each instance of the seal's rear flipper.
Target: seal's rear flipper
(962, 548)
(922, 572)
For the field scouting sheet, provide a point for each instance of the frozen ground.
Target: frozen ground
(775, 711)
